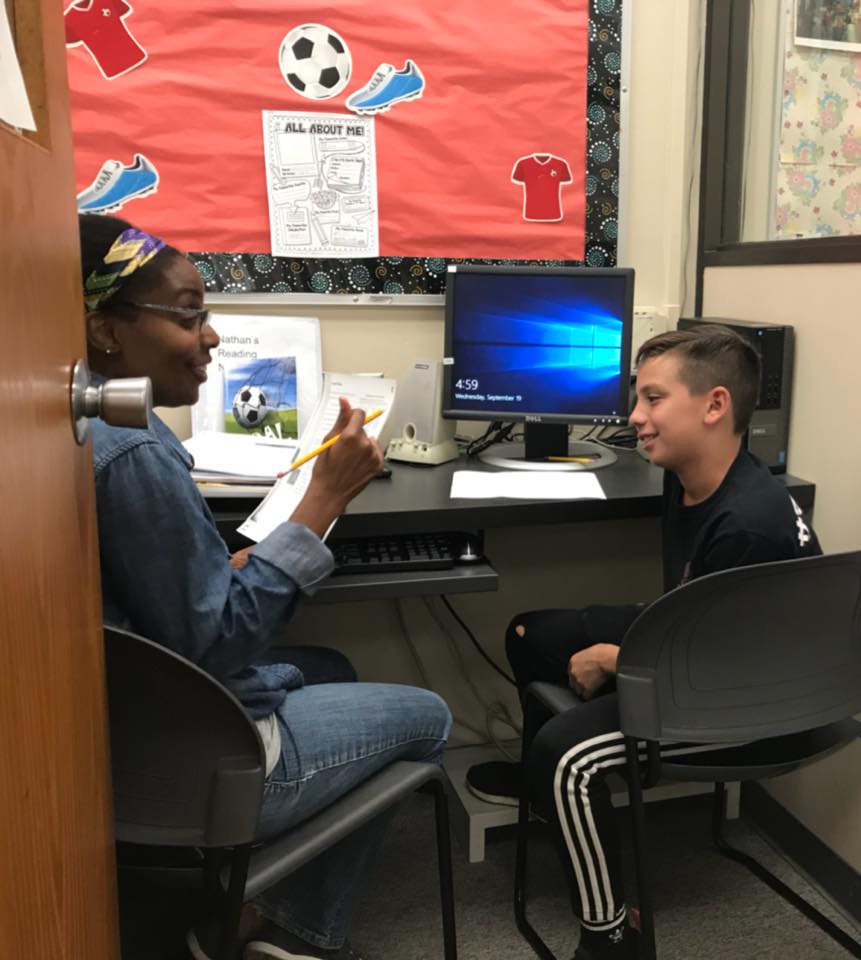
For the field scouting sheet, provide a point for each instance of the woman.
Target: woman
(167, 574)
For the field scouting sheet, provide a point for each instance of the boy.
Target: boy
(722, 508)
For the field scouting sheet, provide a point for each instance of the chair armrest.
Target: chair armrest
(556, 698)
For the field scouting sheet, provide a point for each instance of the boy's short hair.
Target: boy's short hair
(713, 356)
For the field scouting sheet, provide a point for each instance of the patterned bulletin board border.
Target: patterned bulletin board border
(263, 273)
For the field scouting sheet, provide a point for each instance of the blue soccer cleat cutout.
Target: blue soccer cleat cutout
(116, 184)
(388, 87)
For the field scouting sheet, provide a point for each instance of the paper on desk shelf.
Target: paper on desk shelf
(526, 485)
(366, 392)
(14, 103)
(237, 457)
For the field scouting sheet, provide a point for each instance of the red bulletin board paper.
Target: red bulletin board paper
(503, 82)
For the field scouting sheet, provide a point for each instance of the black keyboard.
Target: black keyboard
(397, 553)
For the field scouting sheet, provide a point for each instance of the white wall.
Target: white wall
(662, 132)
(821, 301)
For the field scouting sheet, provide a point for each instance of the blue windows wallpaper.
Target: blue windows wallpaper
(538, 344)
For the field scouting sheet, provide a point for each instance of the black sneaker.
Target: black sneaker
(630, 950)
(497, 781)
(273, 943)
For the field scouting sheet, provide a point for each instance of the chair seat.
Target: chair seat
(762, 759)
(300, 844)
(753, 761)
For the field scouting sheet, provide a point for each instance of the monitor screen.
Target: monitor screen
(538, 344)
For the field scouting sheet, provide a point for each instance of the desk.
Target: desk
(416, 499)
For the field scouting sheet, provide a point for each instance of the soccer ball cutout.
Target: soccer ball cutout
(249, 407)
(315, 61)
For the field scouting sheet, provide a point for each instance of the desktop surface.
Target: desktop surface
(416, 499)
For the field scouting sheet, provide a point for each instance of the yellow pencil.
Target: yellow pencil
(571, 459)
(325, 446)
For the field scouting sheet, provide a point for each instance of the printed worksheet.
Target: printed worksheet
(369, 393)
(321, 179)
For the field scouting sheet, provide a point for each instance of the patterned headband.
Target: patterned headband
(129, 252)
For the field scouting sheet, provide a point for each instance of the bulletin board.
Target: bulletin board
(175, 118)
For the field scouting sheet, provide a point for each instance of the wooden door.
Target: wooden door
(57, 877)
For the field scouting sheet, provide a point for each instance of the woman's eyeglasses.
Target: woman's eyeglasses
(188, 317)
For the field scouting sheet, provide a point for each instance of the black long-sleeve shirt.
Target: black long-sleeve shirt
(751, 518)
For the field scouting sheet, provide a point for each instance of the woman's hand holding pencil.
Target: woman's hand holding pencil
(331, 439)
(347, 461)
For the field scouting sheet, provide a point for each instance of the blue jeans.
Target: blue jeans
(334, 735)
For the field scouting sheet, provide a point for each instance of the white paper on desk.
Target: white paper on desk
(14, 103)
(239, 456)
(369, 393)
(526, 485)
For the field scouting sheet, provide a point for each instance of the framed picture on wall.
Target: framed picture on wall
(828, 24)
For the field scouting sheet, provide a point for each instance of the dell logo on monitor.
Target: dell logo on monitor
(532, 418)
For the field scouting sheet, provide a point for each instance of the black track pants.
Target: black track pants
(571, 754)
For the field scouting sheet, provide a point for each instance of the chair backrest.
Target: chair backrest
(746, 654)
(187, 760)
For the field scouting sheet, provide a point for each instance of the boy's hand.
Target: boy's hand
(589, 669)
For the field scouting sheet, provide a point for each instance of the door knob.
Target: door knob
(124, 402)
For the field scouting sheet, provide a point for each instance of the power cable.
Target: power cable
(405, 633)
(495, 710)
(475, 642)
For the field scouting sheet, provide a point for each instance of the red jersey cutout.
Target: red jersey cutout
(542, 176)
(99, 27)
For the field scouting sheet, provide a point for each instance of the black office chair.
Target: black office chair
(188, 771)
(766, 657)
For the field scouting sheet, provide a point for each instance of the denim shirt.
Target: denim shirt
(166, 573)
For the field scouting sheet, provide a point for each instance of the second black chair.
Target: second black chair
(767, 658)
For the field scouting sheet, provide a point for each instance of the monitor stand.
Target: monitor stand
(544, 440)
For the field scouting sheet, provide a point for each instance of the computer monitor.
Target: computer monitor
(548, 346)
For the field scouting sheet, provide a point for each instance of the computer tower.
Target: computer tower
(768, 435)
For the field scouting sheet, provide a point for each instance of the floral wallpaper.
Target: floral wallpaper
(819, 172)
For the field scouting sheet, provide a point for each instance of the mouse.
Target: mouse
(384, 474)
